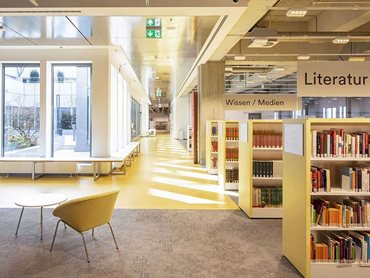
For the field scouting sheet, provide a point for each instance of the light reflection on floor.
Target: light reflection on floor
(162, 177)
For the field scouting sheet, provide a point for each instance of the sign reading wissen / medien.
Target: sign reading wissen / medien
(323, 79)
(262, 102)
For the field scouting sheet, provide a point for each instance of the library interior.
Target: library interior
(197, 138)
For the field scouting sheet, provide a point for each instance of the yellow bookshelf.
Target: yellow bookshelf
(249, 183)
(228, 167)
(213, 137)
(297, 195)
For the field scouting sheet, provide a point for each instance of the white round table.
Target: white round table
(38, 201)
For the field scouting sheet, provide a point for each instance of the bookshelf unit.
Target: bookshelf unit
(228, 167)
(252, 185)
(298, 195)
(214, 134)
(189, 139)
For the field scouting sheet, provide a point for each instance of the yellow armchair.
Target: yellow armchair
(87, 213)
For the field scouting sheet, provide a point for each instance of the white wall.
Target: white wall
(181, 119)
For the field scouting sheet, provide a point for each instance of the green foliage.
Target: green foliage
(67, 120)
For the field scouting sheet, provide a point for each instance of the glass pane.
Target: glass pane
(21, 110)
(135, 118)
(72, 111)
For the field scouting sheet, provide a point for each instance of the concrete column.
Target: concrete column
(211, 89)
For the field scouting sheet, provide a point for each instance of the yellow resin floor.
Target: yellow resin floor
(162, 177)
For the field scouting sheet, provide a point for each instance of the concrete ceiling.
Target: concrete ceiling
(310, 35)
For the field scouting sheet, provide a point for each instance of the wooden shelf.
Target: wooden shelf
(236, 141)
(330, 159)
(214, 152)
(231, 186)
(268, 178)
(339, 192)
(267, 149)
(339, 270)
(332, 228)
(231, 162)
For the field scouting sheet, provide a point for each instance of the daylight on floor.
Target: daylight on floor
(159, 138)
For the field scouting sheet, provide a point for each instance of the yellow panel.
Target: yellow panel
(296, 199)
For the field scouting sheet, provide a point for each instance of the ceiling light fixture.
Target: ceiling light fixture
(280, 69)
(157, 77)
(262, 43)
(228, 68)
(341, 40)
(296, 12)
(356, 59)
(33, 2)
(303, 57)
(239, 57)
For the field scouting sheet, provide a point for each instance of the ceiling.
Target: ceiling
(155, 61)
(272, 69)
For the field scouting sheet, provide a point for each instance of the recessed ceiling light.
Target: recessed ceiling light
(239, 57)
(296, 12)
(228, 68)
(303, 57)
(171, 28)
(357, 59)
(33, 2)
(262, 43)
(280, 69)
(341, 40)
(157, 77)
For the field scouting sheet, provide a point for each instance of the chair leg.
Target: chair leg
(19, 221)
(87, 255)
(55, 234)
(114, 238)
(92, 232)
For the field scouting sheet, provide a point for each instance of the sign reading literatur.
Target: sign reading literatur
(341, 79)
(252, 102)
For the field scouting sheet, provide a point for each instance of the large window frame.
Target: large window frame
(53, 65)
(3, 108)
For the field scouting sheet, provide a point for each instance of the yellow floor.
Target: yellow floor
(162, 177)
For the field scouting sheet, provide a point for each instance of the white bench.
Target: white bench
(127, 153)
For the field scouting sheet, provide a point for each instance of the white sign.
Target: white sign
(262, 102)
(243, 132)
(340, 79)
(293, 138)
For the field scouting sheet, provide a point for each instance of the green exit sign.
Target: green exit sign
(153, 34)
(153, 22)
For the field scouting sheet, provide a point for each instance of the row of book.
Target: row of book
(351, 212)
(214, 131)
(232, 175)
(214, 161)
(268, 197)
(267, 141)
(214, 146)
(338, 143)
(232, 154)
(340, 247)
(232, 133)
(356, 179)
(268, 169)
(320, 179)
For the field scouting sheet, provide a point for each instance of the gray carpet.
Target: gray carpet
(153, 243)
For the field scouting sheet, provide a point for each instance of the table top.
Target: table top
(40, 200)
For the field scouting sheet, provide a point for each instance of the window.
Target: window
(21, 106)
(72, 110)
(135, 118)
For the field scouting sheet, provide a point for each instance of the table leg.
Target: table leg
(33, 170)
(41, 221)
(19, 221)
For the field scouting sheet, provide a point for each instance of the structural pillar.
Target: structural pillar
(211, 90)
